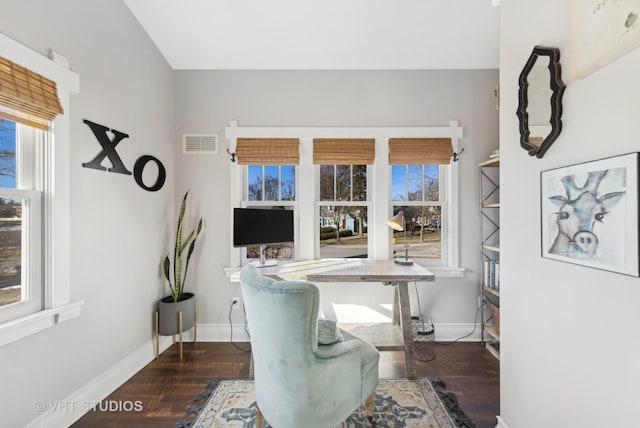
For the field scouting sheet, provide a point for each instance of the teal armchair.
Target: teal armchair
(299, 383)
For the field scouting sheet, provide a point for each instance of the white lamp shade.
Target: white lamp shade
(397, 222)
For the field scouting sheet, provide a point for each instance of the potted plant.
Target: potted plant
(176, 276)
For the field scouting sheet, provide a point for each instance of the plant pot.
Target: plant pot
(168, 311)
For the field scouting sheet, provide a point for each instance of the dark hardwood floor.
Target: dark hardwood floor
(166, 386)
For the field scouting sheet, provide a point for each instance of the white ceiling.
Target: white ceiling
(322, 34)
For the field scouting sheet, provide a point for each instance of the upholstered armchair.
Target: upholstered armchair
(299, 383)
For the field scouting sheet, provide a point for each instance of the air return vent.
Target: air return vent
(194, 144)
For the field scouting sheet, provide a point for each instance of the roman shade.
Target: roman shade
(420, 151)
(27, 97)
(268, 151)
(344, 151)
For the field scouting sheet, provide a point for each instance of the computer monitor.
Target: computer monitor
(262, 226)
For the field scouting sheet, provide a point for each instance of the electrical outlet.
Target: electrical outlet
(234, 302)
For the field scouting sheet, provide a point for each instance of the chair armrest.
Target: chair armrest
(337, 349)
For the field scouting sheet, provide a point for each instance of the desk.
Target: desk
(363, 270)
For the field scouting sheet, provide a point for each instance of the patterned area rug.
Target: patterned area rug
(399, 403)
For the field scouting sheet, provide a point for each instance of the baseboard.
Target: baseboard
(445, 332)
(218, 333)
(501, 423)
(222, 333)
(68, 410)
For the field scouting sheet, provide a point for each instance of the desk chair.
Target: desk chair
(299, 383)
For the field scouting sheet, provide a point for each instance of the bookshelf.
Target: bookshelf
(490, 249)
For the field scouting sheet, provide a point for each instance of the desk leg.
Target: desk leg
(395, 312)
(407, 335)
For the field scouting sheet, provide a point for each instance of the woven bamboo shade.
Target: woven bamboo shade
(344, 151)
(27, 97)
(268, 151)
(420, 151)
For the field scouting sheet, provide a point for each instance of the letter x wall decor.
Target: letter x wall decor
(109, 152)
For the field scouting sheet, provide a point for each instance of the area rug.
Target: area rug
(399, 403)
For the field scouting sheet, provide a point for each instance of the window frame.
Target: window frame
(378, 178)
(57, 304)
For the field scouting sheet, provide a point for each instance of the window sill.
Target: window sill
(20, 328)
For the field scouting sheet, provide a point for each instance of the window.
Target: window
(20, 217)
(271, 186)
(416, 190)
(349, 181)
(271, 183)
(343, 211)
(35, 233)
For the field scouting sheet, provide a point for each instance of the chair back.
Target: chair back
(282, 318)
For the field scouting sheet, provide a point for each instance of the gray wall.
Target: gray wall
(569, 333)
(118, 231)
(207, 100)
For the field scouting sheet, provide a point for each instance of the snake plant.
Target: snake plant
(177, 276)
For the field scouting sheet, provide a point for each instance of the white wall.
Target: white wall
(207, 100)
(569, 349)
(119, 232)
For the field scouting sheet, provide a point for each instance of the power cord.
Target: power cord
(475, 325)
(231, 328)
(475, 319)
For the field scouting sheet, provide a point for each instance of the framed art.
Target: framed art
(601, 31)
(589, 214)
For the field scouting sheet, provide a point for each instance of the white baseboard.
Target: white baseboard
(501, 423)
(222, 333)
(218, 333)
(450, 332)
(70, 409)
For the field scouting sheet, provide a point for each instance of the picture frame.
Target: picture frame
(602, 31)
(589, 214)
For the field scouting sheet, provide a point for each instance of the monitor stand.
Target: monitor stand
(263, 262)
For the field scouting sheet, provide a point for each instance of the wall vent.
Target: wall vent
(194, 144)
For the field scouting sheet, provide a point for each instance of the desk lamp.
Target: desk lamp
(398, 223)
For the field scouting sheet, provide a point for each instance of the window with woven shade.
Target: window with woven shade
(347, 185)
(343, 208)
(270, 168)
(35, 292)
(27, 97)
(419, 171)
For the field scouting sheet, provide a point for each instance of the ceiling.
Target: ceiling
(322, 34)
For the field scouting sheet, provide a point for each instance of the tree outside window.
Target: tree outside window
(343, 223)
(416, 190)
(11, 290)
(267, 185)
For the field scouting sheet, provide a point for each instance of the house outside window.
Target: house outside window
(345, 182)
(342, 211)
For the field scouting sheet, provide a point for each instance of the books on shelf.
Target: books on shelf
(492, 274)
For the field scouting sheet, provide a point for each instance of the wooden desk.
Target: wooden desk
(363, 270)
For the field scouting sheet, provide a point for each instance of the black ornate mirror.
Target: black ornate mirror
(540, 100)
